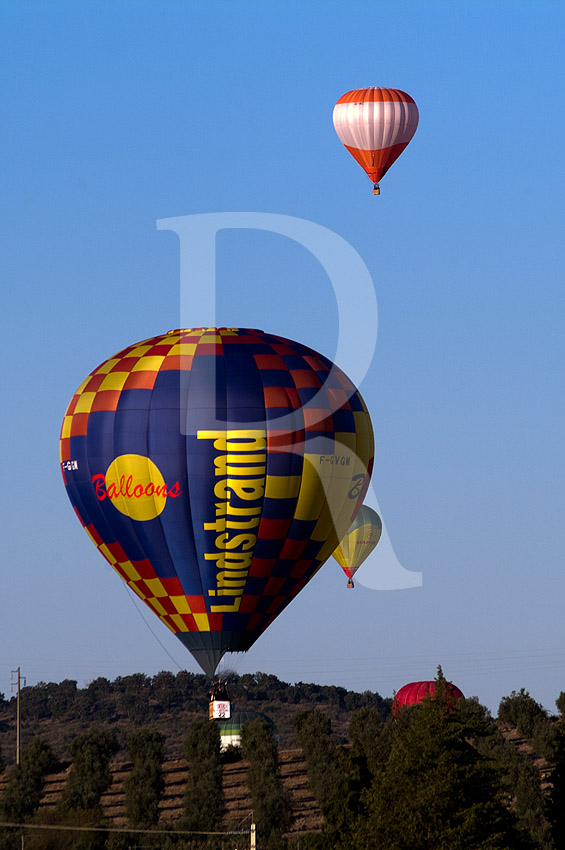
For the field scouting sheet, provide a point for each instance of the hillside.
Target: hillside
(526, 750)
(522, 745)
(307, 816)
(58, 712)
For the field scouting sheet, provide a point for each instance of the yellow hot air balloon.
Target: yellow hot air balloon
(363, 535)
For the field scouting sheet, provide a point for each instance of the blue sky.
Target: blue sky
(117, 114)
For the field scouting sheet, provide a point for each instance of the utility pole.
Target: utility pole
(18, 684)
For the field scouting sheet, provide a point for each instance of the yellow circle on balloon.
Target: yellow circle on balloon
(136, 487)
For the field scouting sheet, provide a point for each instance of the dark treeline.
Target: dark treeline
(438, 775)
(139, 694)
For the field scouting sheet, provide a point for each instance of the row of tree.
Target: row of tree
(140, 697)
(204, 802)
(89, 777)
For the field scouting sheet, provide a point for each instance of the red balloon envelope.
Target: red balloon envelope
(415, 692)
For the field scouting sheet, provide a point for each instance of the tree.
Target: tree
(204, 803)
(356, 767)
(518, 776)
(556, 805)
(122, 841)
(145, 784)
(365, 733)
(100, 688)
(522, 711)
(272, 807)
(68, 840)
(63, 697)
(95, 701)
(133, 697)
(352, 769)
(165, 691)
(35, 701)
(343, 807)
(436, 791)
(192, 689)
(22, 794)
(90, 774)
(313, 731)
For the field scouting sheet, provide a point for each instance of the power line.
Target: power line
(123, 830)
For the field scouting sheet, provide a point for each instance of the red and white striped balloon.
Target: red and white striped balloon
(375, 125)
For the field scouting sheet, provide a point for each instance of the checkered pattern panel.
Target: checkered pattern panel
(220, 530)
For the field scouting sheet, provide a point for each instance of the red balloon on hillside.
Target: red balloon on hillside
(415, 692)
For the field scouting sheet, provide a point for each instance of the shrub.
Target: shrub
(90, 774)
(25, 782)
(522, 711)
(313, 731)
(204, 803)
(145, 785)
(272, 807)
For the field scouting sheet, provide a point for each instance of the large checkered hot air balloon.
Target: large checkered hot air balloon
(375, 125)
(216, 470)
(362, 536)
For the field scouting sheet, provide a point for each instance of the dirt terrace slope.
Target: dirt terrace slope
(307, 817)
(525, 748)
